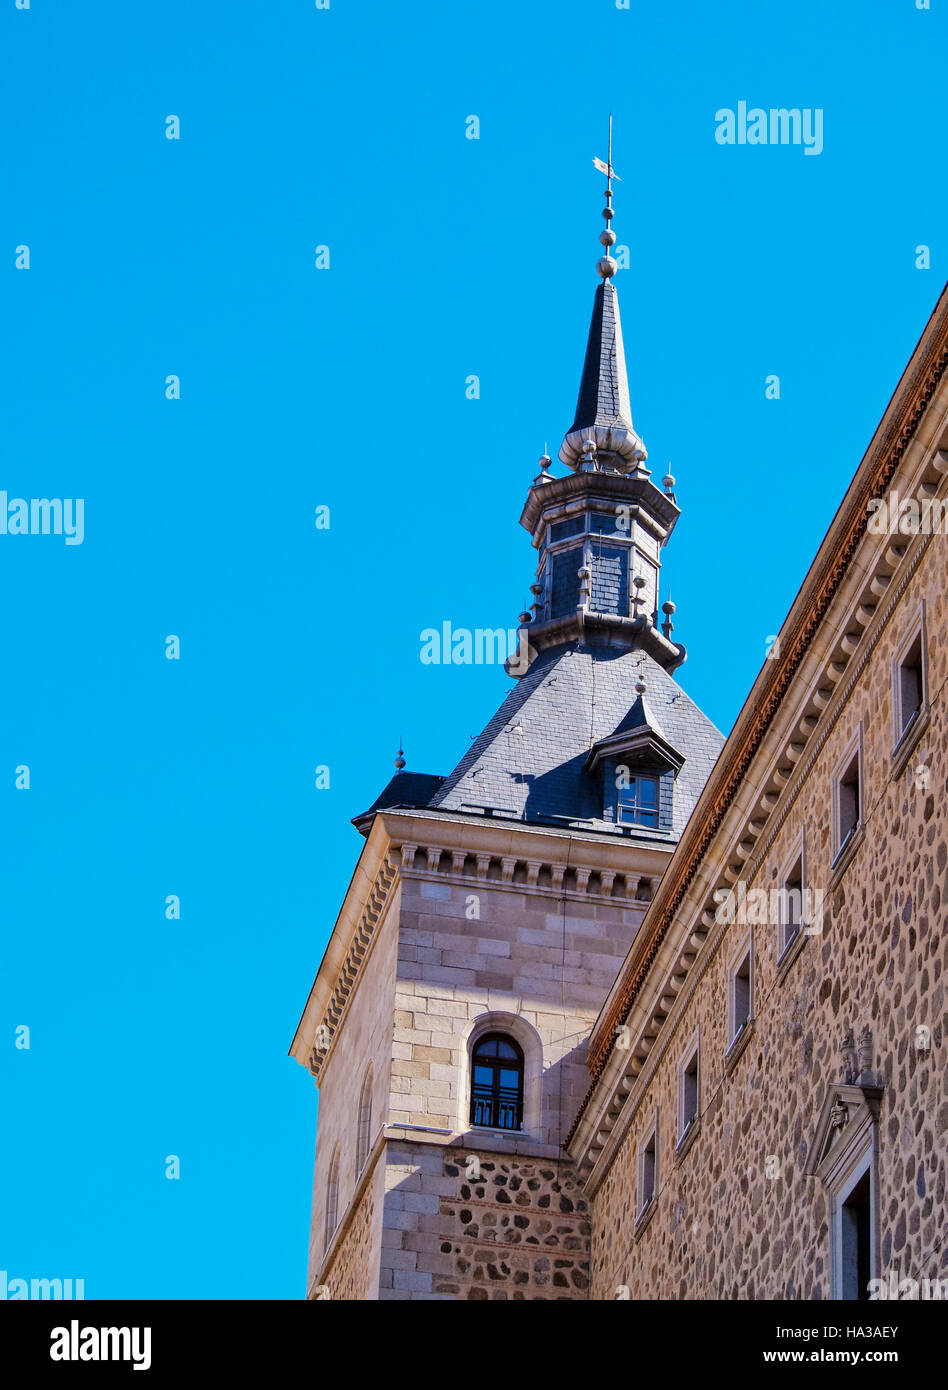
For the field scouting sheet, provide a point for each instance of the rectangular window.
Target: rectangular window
(739, 994)
(562, 530)
(607, 523)
(854, 1236)
(849, 1169)
(848, 801)
(638, 802)
(909, 688)
(648, 1172)
(847, 796)
(791, 904)
(687, 1093)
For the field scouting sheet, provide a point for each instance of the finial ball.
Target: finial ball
(607, 267)
(544, 461)
(608, 237)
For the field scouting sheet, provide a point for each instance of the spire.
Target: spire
(600, 531)
(602, 437)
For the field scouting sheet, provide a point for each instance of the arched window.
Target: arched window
(497, 1082)
(364, 1132)
(332, 1198)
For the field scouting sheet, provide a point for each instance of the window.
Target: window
(687, 1092)
(791, 903)
(844, 1157)
(332, 1198)
(847, 796)
(648, 1172)
(855, 1262)
(561, 530)
(364, 1132)
(739, 992)
(848, 801)
(497, 1083)
(909, 686)
(638, 802)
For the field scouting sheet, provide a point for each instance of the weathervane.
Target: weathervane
(606, 168)
(607, 267)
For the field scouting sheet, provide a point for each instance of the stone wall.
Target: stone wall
(736, 1215)
(353, 1269)
(459, 952)
(547, 961)
(363, 1042)
(510, 1228)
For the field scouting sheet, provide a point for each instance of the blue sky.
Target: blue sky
(346, 387)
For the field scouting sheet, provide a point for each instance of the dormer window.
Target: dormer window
(638, 767)
(638, 802)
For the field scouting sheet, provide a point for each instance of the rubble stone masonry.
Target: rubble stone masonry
(736, 1214)
(509, 1228)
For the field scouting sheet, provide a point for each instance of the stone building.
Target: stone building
(768, 1114)
(562, 1047)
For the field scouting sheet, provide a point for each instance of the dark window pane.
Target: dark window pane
(497, 1085)
(638, 803)
(647, 791)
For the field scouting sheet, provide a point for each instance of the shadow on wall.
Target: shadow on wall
(484, 1226)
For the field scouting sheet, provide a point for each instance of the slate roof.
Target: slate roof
(640, 716)
(568, 700)
(576, 695)
(406, 789)
(604, 388)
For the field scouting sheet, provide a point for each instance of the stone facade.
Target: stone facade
(537, 961)
(465, 1225)
(743, 1207)
(504, 937)
(365, 1050)
(348, 1274)
(723, 1227)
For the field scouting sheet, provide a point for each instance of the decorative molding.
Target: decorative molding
(359, 947)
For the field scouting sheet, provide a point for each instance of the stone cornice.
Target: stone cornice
(453, 829)
(348, 950)
(617, 489)
(830, 569)
(604, 629)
